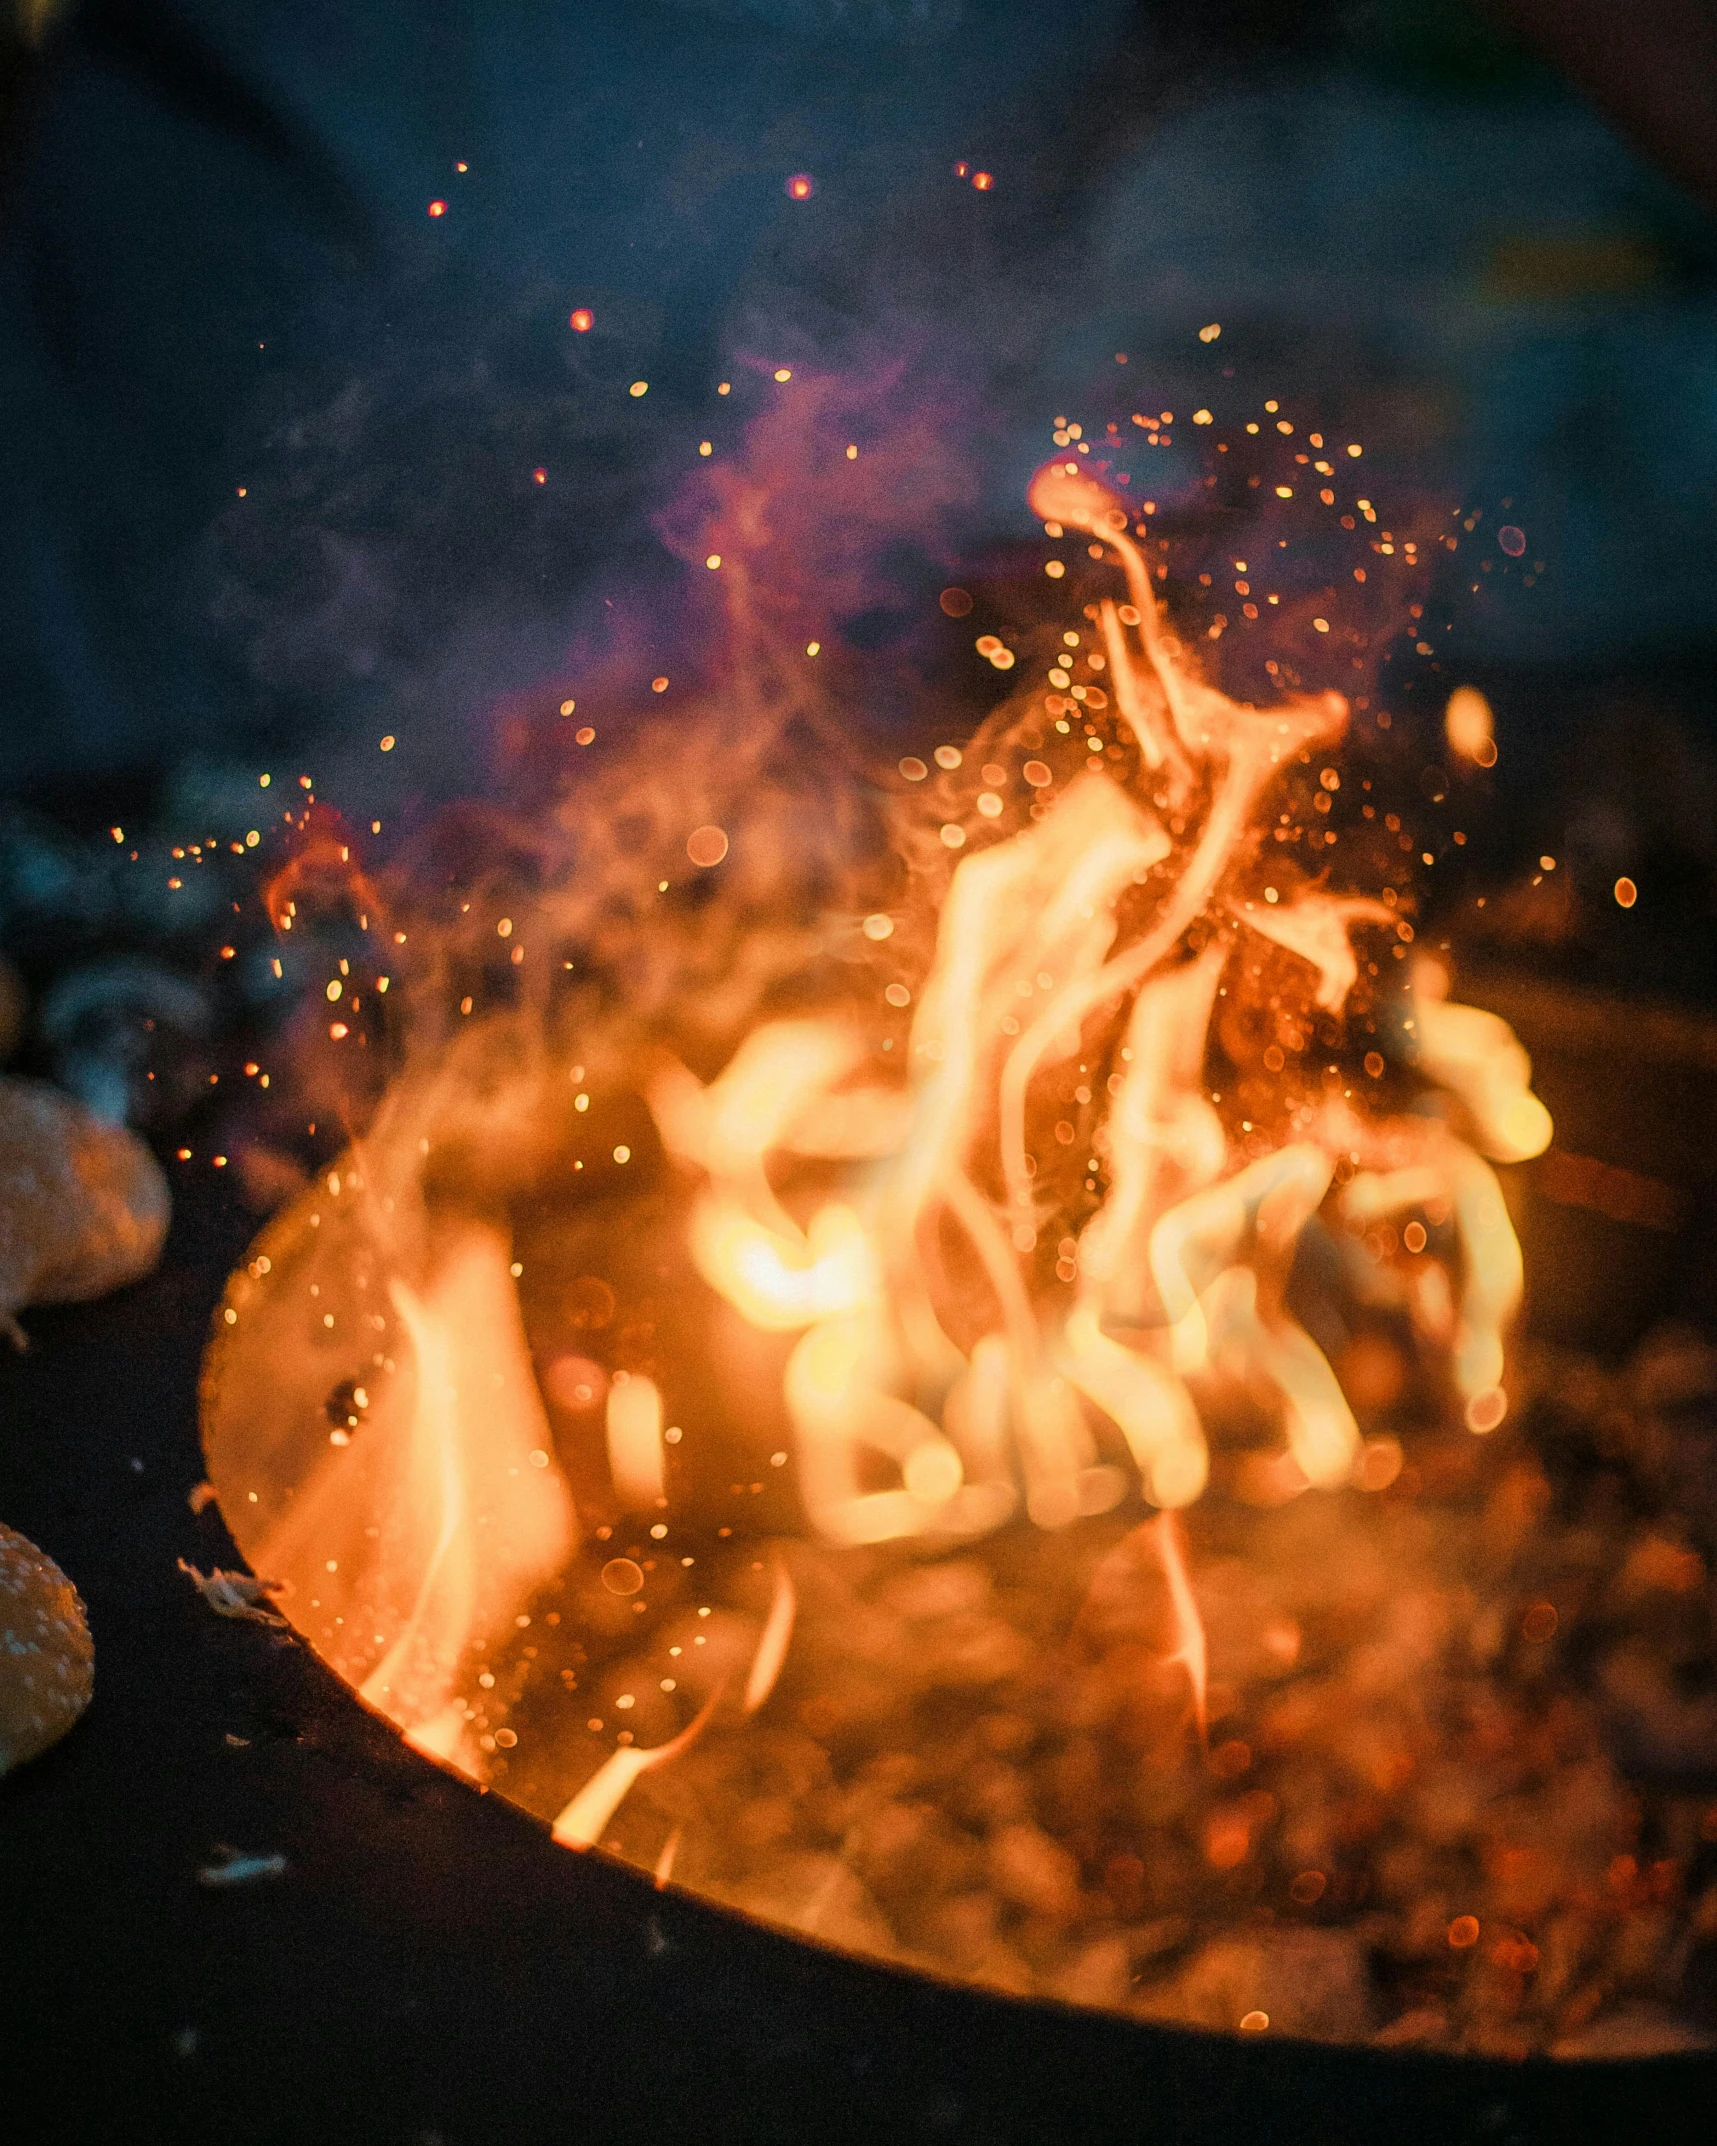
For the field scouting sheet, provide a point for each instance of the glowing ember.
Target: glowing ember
(1470, 726)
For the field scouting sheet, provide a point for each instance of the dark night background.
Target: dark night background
(217, 270)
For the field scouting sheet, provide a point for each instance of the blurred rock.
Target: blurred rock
(48, 881)
(83, 1205)
(1032, 1871)
(1658, 1728)
(126, 1036)
(1099, 1975)
(47, 1663)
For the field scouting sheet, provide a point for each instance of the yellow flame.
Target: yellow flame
(777, 1637)
(586, 1817)
(470, 1523)
(1476, 1056)
(583, 1821)
(777, 1278)
(1191, 1650)
(1181, 1273)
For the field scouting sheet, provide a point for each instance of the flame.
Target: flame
(584, 1820)
(1475, 1056)
(457, 1463)
(1023, 1265)
(1190, 1650)
(929, 1341)
(1115, 1588)
(772, 1646)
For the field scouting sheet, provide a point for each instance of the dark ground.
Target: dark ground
(429, 1967)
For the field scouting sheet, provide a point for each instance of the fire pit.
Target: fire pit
(954, 1393)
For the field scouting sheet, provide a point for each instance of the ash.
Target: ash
(1458, 1788)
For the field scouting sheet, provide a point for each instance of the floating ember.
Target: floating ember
(958, 1406)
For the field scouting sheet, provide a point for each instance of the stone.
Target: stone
(84, 1207)
(47, 1658)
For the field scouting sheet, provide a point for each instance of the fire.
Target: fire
(1098, 929)
(456, 1461)
(1010, 1260)
(584, 1820)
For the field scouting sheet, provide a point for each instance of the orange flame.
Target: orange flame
(471, 1520)
(1190, 1651)
(1182, 1271)
(893, 1218)
(584, 1820)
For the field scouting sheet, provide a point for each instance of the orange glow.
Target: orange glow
(1181, 1271)
(438, 208)
(983, 181)
(583, 1821)
(801, 186)
(1189, 1626)
(635, 1455)
(984, 1191)
(772, 1647)
(472, 1523)
(1470, 727)
(586, 1818)
(581, 320)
